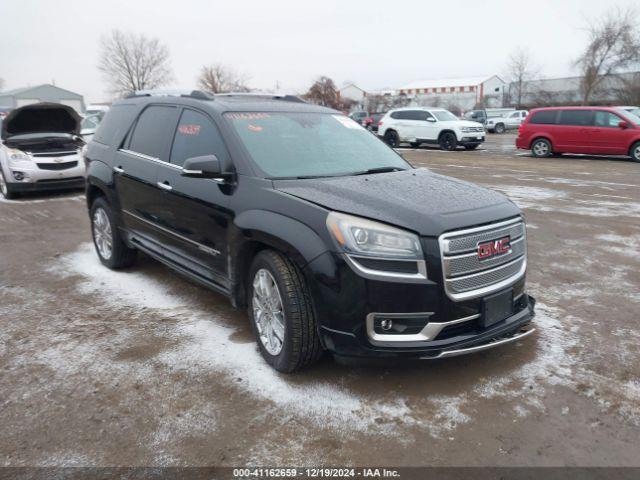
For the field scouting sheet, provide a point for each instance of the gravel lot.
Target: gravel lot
(142, 367)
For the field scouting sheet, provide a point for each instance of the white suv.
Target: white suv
(508, 121)
(417, 125)
(41, 149)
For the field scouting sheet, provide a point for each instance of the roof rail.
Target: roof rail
(266, 96)
(198, 94)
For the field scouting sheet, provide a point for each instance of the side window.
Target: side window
(195, 136)
(580, 118)
(401, 115)
(420, 115)
(117, 119)
(428, 116)
(606, 119)
(153, 130)
(545, 117)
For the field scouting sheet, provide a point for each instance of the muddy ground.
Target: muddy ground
(142, 367)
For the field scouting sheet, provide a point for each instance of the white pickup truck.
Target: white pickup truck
(509, 121)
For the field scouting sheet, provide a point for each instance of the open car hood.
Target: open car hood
(41, 118)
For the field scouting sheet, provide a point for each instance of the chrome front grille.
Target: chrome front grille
(466, 276)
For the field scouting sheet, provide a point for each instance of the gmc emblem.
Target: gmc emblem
(494, 247)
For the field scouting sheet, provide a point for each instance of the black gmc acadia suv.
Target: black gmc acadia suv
(328, 236)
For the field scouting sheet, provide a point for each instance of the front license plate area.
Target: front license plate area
(496, 308)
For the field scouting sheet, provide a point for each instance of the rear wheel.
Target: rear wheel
(541, 148)
(392, 138)
(448, 141)
(110, 246)
(281, 314)
(634, 153)
(500, 128)
(5, 189)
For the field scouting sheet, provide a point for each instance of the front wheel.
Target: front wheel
(634, 153)
(391, 138)
(281, 314)
(448, 141)
(500, 128)
(541, 148)
(5, 189)
(110, 247)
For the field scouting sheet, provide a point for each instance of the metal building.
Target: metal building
(41, 93)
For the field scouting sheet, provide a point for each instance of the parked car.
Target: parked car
(342, 247)
(358, 116)
(483, 115)
(371, 123)
(89, 125)
(590, 130)
(96, 109)
(4, 111)
(41, 149)
(417, 125)
(634, 110)
(510, 121)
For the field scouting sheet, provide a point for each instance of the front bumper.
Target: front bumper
(470, 139)
(44, 174)
(47, 185)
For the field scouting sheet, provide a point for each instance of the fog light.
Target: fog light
(18, 176)
(386, 324)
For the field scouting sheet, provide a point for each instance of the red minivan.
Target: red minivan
(591, 130)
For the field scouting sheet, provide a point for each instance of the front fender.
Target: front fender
(99, 175)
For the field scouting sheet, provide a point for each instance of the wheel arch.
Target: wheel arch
(257, 230)
(447, 130)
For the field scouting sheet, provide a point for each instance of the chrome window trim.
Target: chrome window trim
(150, 158)
(443, 242)
(200, 246)
(382, 275)
(430, 331)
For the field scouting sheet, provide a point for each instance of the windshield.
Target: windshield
(290, 145)
(633, 115)
(444, 115)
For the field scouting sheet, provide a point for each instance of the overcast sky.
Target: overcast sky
(373, 43)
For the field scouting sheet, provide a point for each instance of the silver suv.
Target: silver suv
(41, 149)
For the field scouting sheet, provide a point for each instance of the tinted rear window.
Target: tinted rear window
(153, 130)
(580, 118)
(117, 119)
(545, 117)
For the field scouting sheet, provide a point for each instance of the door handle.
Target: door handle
(118, 169)
(165, 186)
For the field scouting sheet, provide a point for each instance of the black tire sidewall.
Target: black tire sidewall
(282, 359)
(632, 152)
(453, 143)
(389, 135)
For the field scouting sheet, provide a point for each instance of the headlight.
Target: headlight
(356, 235)
(17, 156)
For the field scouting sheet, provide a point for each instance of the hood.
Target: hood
(417, 200)
(41, 118)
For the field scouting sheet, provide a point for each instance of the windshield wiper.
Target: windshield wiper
(380, 170)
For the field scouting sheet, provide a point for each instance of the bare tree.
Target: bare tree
(614, 45)
(130, 62)
(520, 70)
(627, 90)
(323, 92)
(217, 78)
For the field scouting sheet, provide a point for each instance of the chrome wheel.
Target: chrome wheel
(541, 149)
(102, 233)
(268, 312)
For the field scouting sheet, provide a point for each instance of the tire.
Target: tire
(104, 232)
(500, 128)
(5, 189)
(541, 148)
(296, 323)
(415, 144)
(391, 138)
(471, 147)
(634, 152)
(448, 141)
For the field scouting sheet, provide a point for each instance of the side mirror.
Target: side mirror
(623, 125)
(206, 166)
(431, 119)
